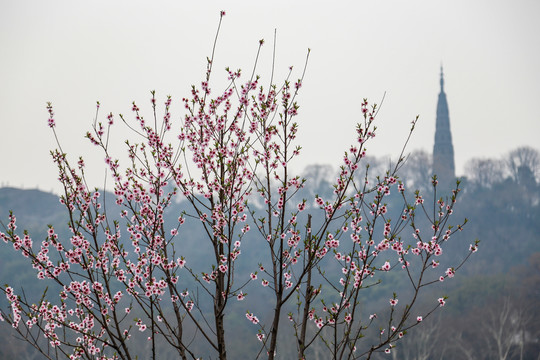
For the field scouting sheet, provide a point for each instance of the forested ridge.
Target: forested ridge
(491, 312)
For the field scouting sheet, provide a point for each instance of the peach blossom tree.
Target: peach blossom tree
(123, 273)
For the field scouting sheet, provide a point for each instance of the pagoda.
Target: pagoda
(443, 150)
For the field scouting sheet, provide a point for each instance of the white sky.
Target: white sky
(74, 53)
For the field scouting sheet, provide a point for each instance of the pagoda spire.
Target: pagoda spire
(442, 79)
(443, 150)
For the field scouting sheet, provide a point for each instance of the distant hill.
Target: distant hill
(503, 215)
(33, 208)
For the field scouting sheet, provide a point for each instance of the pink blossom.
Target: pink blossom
(252, 318)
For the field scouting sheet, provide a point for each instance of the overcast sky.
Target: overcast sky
(73, 53)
